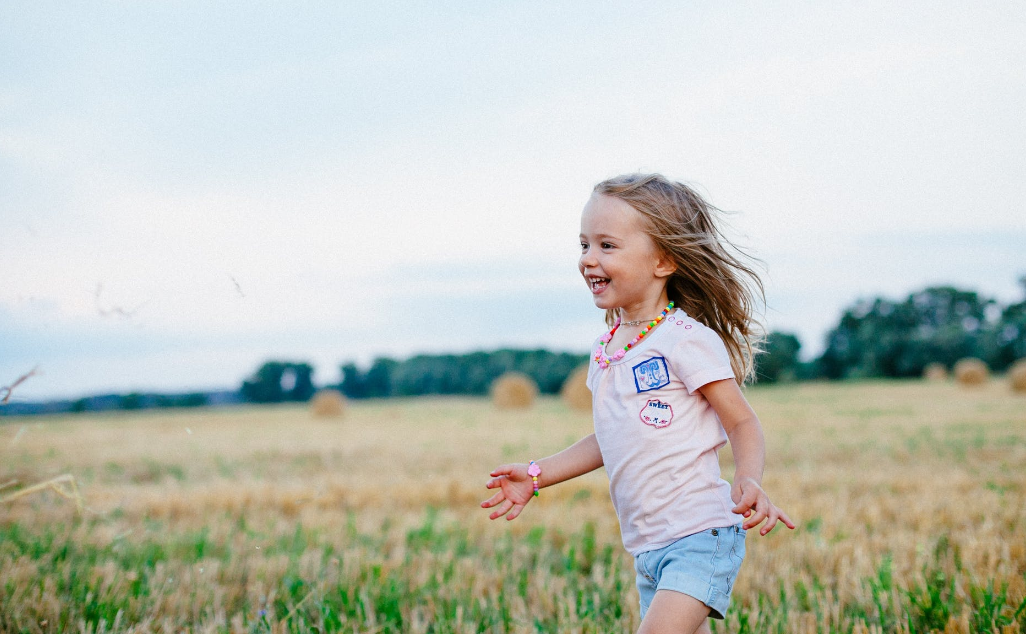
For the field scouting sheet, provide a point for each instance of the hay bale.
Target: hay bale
(575, 392)
(1017, 376)
(935, 372)
(514, 390)
(971, 371)
(328, 404)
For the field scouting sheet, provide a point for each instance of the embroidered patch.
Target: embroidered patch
(651, 374)
(657, 413)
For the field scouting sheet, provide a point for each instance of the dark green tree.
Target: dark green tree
(880, 337)
(470, 373)
(378, 380)
(353, 382)
(1009, 334)
(278, 381)
(133, 400)
(779, 361)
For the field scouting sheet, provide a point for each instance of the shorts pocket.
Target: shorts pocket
(737, 550)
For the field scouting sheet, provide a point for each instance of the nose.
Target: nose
(587, 260)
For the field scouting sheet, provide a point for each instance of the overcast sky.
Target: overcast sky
(188, 189)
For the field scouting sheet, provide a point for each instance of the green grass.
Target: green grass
(435, 584)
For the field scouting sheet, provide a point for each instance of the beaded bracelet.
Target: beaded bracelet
(534, 471)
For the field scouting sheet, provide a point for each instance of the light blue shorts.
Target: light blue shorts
(703, 565)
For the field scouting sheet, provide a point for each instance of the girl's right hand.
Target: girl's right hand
(515, 490)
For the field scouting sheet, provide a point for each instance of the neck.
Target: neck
(645, 311)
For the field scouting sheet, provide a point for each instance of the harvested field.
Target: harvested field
(909, 498)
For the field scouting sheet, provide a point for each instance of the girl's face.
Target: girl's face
(619, 261)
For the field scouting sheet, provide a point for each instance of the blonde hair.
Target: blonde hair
(712, 283)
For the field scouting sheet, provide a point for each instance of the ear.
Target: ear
(665, 266)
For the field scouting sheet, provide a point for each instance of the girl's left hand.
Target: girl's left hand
(753, 503)
(515, 490)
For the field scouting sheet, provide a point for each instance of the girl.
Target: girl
(665, 390)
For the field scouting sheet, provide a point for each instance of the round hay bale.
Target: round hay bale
(514, 390)
(1017, 376)
(971, 371)
(575, 390)
(328, 404)
(935, 372)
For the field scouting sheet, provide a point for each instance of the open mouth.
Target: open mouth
(598, 284)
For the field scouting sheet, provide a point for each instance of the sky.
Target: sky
(189, 189)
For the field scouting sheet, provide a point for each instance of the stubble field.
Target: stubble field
(909, 498)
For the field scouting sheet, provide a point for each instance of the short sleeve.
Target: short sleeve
(590, 381)
(700, 358)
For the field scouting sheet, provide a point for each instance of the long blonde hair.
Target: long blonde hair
(713, 282)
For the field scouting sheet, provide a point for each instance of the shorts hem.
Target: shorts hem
(697, 589)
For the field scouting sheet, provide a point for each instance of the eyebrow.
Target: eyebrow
(601, 236)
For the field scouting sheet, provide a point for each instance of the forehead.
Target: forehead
(608, 215)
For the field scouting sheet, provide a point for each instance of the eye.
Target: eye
(584, 246)
(607, 245)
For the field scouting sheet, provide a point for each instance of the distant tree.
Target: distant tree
(779, 362)
(134, 400)
(278, 381)
(1009, 334)
(193, 399)
(353, 383)
(470, 373)
(880, 337)
(377, 382)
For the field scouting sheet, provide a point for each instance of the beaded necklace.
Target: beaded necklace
(600, 353)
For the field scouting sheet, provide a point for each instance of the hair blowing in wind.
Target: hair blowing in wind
(713, 282)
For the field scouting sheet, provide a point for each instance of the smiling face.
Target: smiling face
(621, 264)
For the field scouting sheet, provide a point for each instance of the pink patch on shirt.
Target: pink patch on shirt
(656, 413)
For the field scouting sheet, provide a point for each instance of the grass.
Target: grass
(909, 497)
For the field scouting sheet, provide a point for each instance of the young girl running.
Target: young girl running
(665, 391)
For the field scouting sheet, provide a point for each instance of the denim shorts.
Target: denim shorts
(703, 565)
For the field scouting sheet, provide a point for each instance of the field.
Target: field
(909, 495)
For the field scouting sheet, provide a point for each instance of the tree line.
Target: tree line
(876, 337)
(899, 338)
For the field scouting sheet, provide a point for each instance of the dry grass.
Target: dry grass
(201, 519)
(7, 390)
(63, 485)
(575, 392)
(514, 390)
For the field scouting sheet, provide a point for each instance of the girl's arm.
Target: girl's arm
(516, 487)
(749, 447)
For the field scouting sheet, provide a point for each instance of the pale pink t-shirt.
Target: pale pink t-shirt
(659, 437)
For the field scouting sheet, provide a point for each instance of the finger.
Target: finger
(515, 512)
(769, 524)
(754, 520)
(748, 500)
(495, 482)
(505, 469)
(786, 520)
(492, 501)
(502, 510)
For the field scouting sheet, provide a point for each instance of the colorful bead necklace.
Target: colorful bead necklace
(600, 352)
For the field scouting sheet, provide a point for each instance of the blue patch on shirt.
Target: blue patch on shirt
(651, 374)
